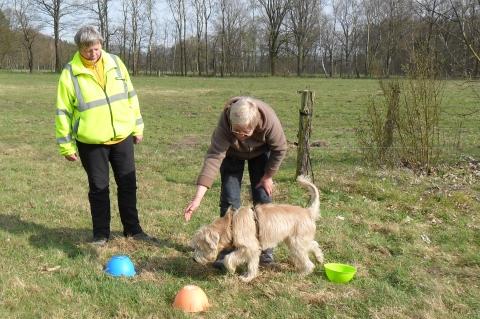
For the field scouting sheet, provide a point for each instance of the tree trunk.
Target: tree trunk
(273, 70)
(56, 33)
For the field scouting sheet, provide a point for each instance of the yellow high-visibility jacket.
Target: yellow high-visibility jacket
(90, 114)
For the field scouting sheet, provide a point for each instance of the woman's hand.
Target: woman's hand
(72, 157)
(137, 139)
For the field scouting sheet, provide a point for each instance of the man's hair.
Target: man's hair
(243, 112)
(87, 36)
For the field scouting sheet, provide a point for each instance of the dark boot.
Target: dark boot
(266, 257)
(221, 256)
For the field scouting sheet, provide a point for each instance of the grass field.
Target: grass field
(415, 240)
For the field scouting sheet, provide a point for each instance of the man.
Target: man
(248, 130)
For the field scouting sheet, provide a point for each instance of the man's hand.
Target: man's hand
(193, 205)
(267, 184)
(137, 139)
(72, 157)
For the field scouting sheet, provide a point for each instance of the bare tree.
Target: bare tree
(166, 33)
(184, 47)
(467, 18)
(124, 31)
(207, 12)
(137, 11)
(274, 12)
(346, 12)
(231, 29)
(430, 7)
(325, 42)
(55, 10)
(101, 10)
(177, 7)
(304, 15)
(372, 22)
(223, 9)
(235, 18)
(6, 36)
(392, 27)
(150, 5)
(199, 24)
(253, 32)
(328, 41)
(23, 13)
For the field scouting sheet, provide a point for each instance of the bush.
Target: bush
(403, 127)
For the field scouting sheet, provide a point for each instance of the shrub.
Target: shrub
(403, 127)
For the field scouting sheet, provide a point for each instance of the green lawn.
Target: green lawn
(415, 240)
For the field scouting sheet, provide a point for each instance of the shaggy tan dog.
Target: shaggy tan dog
(249, 231)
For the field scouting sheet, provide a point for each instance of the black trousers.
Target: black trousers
(95, 160)
(231, 172)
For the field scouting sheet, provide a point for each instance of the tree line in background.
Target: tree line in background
(347, 38)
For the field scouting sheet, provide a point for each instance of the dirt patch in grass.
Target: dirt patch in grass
(187, 142)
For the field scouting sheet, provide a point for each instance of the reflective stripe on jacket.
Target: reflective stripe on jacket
(91, 114)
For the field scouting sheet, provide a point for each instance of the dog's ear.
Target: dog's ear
(195, 237)
(212, 239)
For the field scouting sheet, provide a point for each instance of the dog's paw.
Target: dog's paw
(307, 269)
(246, 277)
(319, 257)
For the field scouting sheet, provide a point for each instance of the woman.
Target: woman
(98, 119)
(248, 130)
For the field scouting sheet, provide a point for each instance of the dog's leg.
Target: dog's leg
(253, 258)
(306, 264)
(315, 247)
(294, 252)
(234, 259)
(240, 256)
(299, 249)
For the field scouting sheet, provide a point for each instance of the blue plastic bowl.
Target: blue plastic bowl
(120, 266)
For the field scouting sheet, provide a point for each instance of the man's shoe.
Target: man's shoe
(99, 241)
(142, 236)
(218, 264)
(266, 257)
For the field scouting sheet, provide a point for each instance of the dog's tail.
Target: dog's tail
(315, 196)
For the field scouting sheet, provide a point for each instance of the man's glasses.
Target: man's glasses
(243, 134)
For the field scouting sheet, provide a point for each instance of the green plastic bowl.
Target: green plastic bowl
(339, 273)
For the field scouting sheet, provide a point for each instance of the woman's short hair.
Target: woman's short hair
(243, 112)
(87, 35)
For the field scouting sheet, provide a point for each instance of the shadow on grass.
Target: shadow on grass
(171, 244)
(70, 240)
(180, 267)
(63, 238)
(184, 267)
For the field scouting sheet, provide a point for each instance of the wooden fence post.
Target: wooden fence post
(304, 165)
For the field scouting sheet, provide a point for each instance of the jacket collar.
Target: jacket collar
(79, 68)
